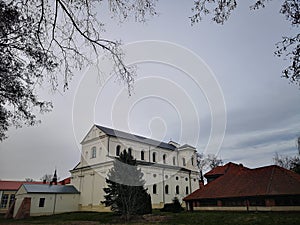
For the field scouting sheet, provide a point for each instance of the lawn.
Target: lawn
(203, 218)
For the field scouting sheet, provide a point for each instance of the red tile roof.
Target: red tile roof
(221, 170)
(240, 181)
(14, 185)
(65, 181)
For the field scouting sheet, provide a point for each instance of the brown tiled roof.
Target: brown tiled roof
(65, 181)
(221, 170)
(14, 185)
(240, 181)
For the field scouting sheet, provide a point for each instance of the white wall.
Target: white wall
(90, 181)
(54, 203)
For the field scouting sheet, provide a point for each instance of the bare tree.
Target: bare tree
(201, 163)
(288, 162)
(47, 178)
(213, 161)
(205, 162)
(46, 41)
(288, 48)
(28, 179)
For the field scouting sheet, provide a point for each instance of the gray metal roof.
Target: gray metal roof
(128, 136)
(46, 188)
(186, 146)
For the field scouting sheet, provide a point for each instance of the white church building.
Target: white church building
(169, 169)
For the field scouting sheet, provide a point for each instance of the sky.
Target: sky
(216, 87)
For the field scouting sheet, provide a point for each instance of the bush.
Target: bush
(174, 207)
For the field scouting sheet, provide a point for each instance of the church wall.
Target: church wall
(90, 180)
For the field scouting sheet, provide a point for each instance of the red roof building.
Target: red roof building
(8, 190)
(235, 187)
(14, 185)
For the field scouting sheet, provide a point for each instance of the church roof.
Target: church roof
(133, 137)
(46, 188)
(239, 181)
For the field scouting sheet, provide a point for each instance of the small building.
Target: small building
(235, 187)
(45, 199)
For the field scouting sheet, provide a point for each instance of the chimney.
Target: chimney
(201, 184)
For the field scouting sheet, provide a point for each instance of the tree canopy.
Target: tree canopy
(288, 162)
(125, 193)
(205, 162)
(288, 48)
(47, 41)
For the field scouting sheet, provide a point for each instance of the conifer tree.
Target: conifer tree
(125, 192)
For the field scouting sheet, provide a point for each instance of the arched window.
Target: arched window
(118, 149)
(164, 158)
(167, 189)
(129, 151)
(192, 160)
(93, 152)
(154, 189)
(183, 162)
(154, 157)
(186, 190)
(142, 155)
(174, 161)
(177, 190)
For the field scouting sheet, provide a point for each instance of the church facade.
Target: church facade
(170, 170)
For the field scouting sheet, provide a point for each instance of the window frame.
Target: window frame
(118, 150)
(93, 152)
(130, 151)
(142, 155)
(12, 198)
(154, 189)
(154, 157)
(166, 189)
(177, 190)
(174, 161)
(42, 202)
(164, 158)
(4, 201)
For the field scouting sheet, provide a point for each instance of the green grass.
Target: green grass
(199, 218)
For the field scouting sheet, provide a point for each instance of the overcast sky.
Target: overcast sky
(262, 109)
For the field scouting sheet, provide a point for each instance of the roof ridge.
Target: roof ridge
(131, 136)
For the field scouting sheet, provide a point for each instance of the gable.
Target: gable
(21, 190)
(93, 133)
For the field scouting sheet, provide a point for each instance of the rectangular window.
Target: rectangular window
(186, 190)
(4, 201)
(12, 199)
(154, 189)
(93, 153)
(42, 202)
(183, 162)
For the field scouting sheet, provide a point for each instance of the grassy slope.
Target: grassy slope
(203, 218)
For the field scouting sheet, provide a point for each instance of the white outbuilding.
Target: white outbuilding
(45, 199)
